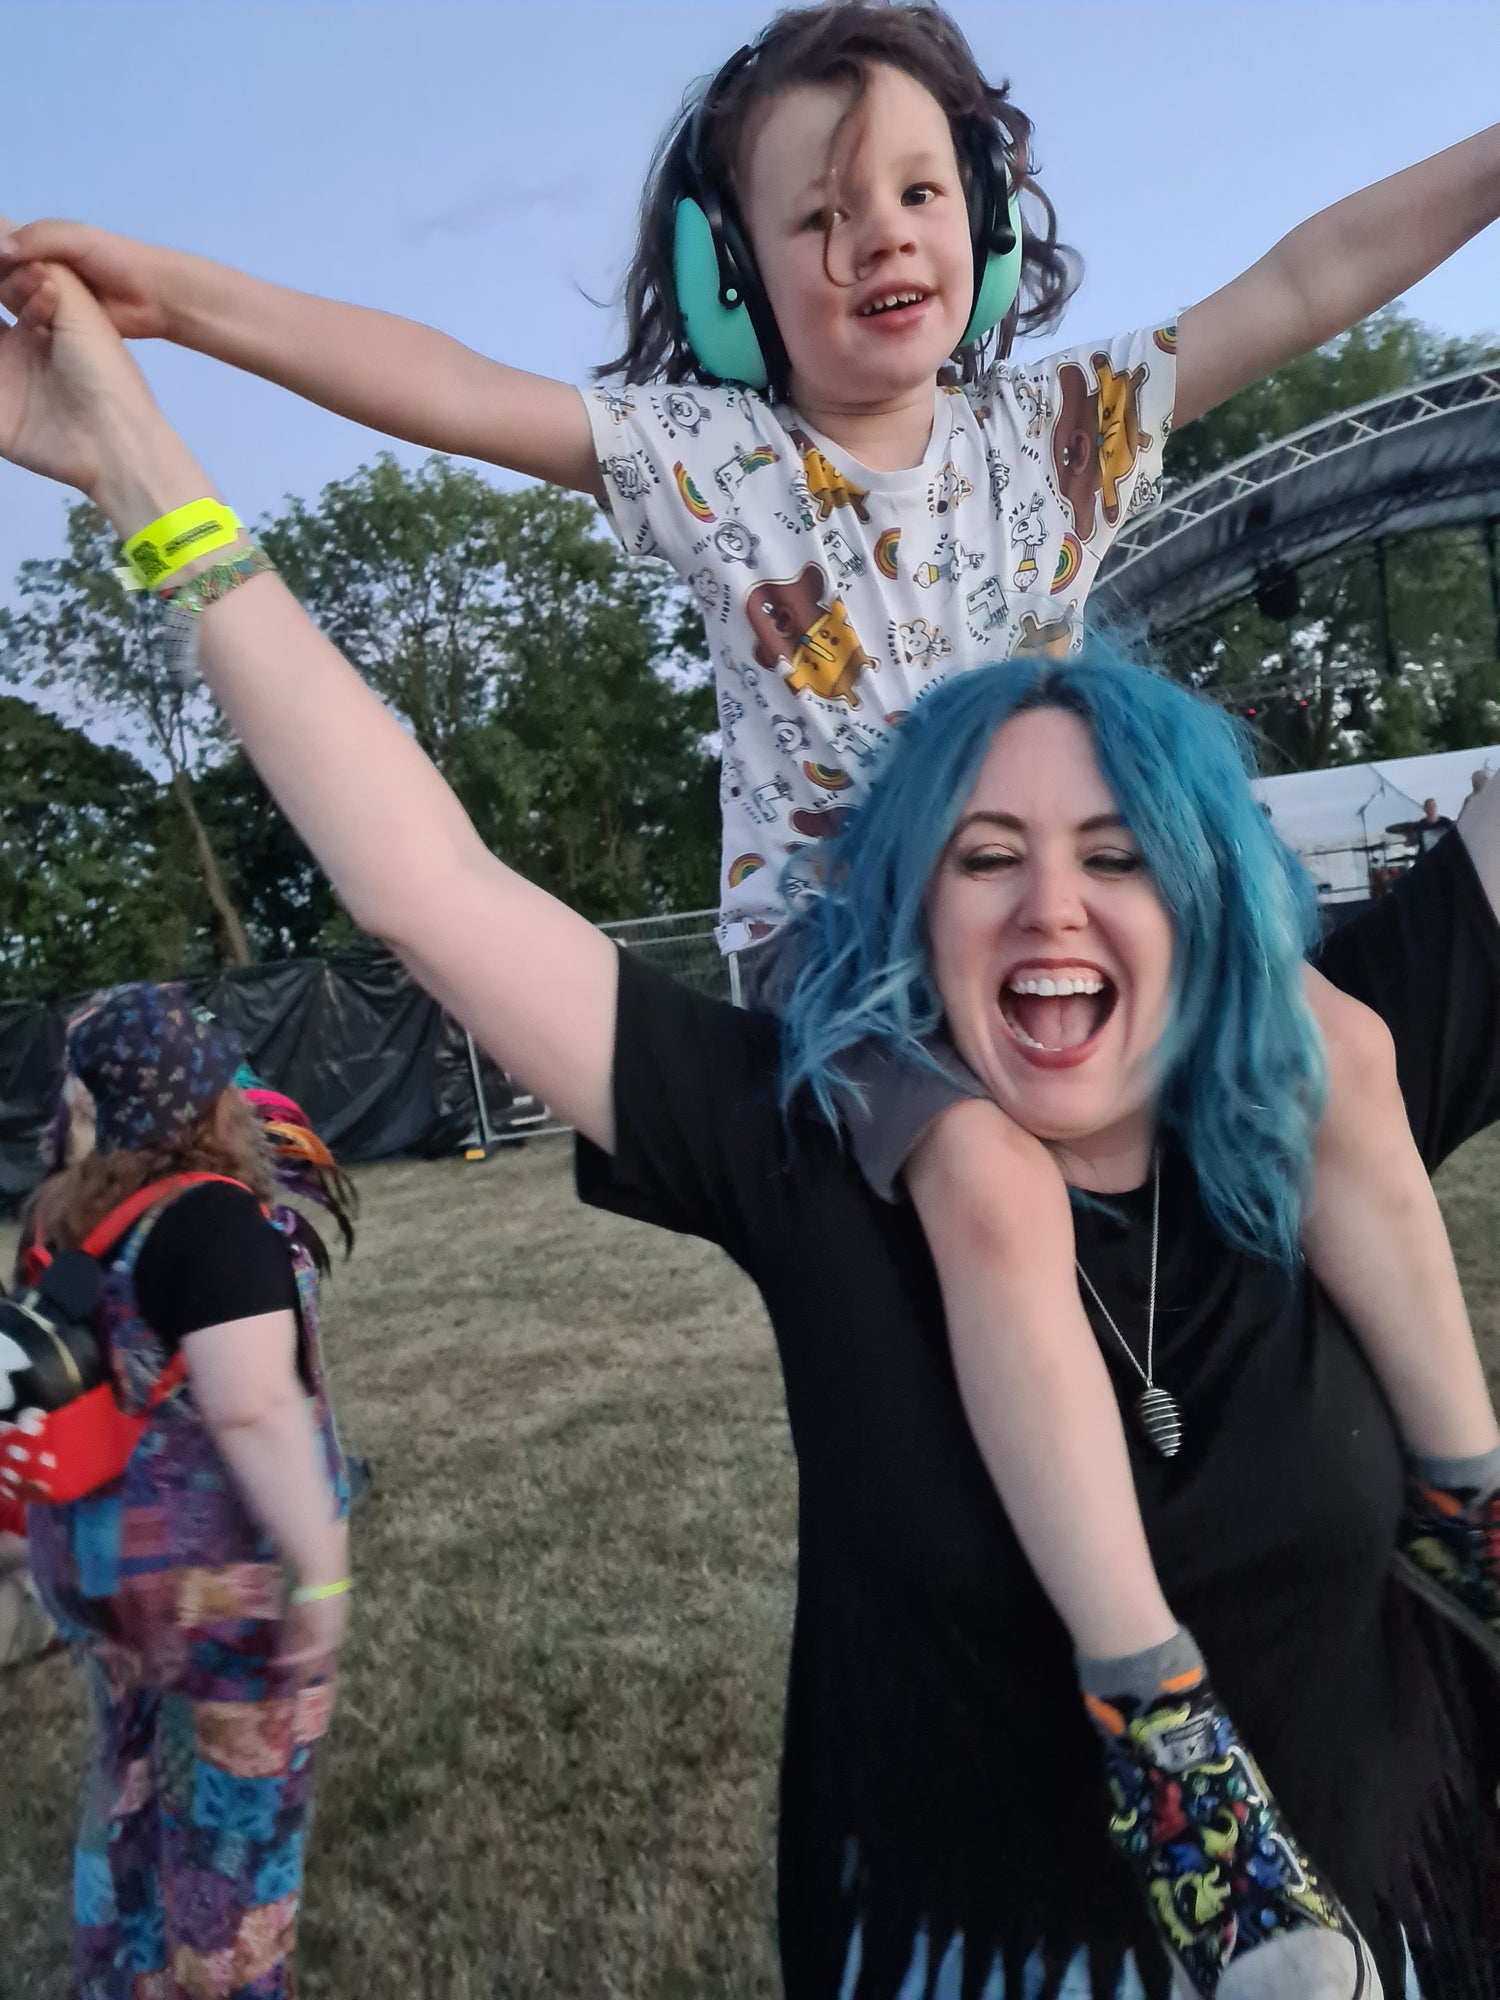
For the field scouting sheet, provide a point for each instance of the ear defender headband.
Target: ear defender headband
(726, 315)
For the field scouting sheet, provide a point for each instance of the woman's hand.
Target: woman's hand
(74, 406)
(130, 280)
(312, 1635)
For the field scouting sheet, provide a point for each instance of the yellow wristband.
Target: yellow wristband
(314, 1593)
(177, 538)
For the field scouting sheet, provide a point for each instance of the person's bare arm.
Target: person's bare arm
(393, 374)
(532, 980)
(1347, 261)
(1478, 827)
(242, 1375)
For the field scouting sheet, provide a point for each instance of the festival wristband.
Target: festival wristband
(316, 1593)
(159, 550)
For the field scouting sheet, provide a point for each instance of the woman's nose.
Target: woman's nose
(1053, 901)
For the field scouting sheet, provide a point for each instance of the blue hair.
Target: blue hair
(1242, 1075)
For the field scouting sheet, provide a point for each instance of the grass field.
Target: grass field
(552, 1768)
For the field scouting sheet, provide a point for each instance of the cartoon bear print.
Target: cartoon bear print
(826, 485)
(680, 410)
(1054, 637)
(735, 543)
(820, 822)
(1097, 439)
(803, 631)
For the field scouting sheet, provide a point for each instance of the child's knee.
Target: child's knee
(983, 1187)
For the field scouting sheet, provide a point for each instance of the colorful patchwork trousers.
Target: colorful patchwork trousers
(188, 1870)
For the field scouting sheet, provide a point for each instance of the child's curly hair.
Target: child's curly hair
(835, 43)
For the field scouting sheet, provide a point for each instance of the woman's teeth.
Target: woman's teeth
(1049, 989)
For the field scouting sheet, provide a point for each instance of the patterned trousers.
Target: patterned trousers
(187, 1875)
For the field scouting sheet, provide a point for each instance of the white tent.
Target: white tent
(1333, 818)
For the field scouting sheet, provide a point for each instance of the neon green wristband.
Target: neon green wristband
(315, 1593)
(177, 538)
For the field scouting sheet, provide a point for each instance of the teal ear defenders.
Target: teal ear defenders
(726, 316)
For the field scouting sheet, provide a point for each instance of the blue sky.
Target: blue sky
(477, 165)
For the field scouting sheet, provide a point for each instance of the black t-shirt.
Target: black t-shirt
(211, 1256)
(941, 1789)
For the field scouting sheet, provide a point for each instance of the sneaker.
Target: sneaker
(1449, 1553)
(1241, 1910)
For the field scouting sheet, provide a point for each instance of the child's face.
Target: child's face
(901, 228)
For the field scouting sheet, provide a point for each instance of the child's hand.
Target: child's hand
(130, 280)
(68, 388)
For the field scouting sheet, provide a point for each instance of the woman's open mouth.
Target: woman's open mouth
(1056, 1017)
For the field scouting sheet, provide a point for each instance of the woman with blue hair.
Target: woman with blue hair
(1047, 840)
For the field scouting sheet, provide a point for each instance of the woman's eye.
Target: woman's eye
(1115, 864)
(988, 861)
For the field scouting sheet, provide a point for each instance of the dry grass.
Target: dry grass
(552, 1770)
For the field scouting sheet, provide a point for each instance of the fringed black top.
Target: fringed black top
(942, 1804)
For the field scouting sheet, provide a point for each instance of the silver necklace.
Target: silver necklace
(1156, 1408)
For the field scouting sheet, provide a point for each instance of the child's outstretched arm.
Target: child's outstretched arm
(1329, 272)
(393, 374)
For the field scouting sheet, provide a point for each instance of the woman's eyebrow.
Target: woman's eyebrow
(1095, 823)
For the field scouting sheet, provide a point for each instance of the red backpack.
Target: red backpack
(56, 1363)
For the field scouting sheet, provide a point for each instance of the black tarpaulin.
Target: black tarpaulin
(376, 1064)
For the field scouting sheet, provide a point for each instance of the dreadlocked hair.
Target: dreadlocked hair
(303, 1165)
(835, 43)
(224, 1139)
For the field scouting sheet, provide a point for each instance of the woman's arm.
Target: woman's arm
(393, 374)
(243, 1376)
(532, 981)
(1345, 262)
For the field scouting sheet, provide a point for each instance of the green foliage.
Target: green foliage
(286, 900)
(1379, 355)
(89, 893)
(96, 648)
(1368, 666)
(559, 689)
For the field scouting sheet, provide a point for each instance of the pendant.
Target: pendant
(1161, 1419)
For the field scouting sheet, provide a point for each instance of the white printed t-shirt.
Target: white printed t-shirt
(836, 597)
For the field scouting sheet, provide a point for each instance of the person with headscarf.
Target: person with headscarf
(205, 1591)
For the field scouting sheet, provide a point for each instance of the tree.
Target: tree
(1378, 355)
(89, 891)
(559, 689)
(80, 633)
(288, 902)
